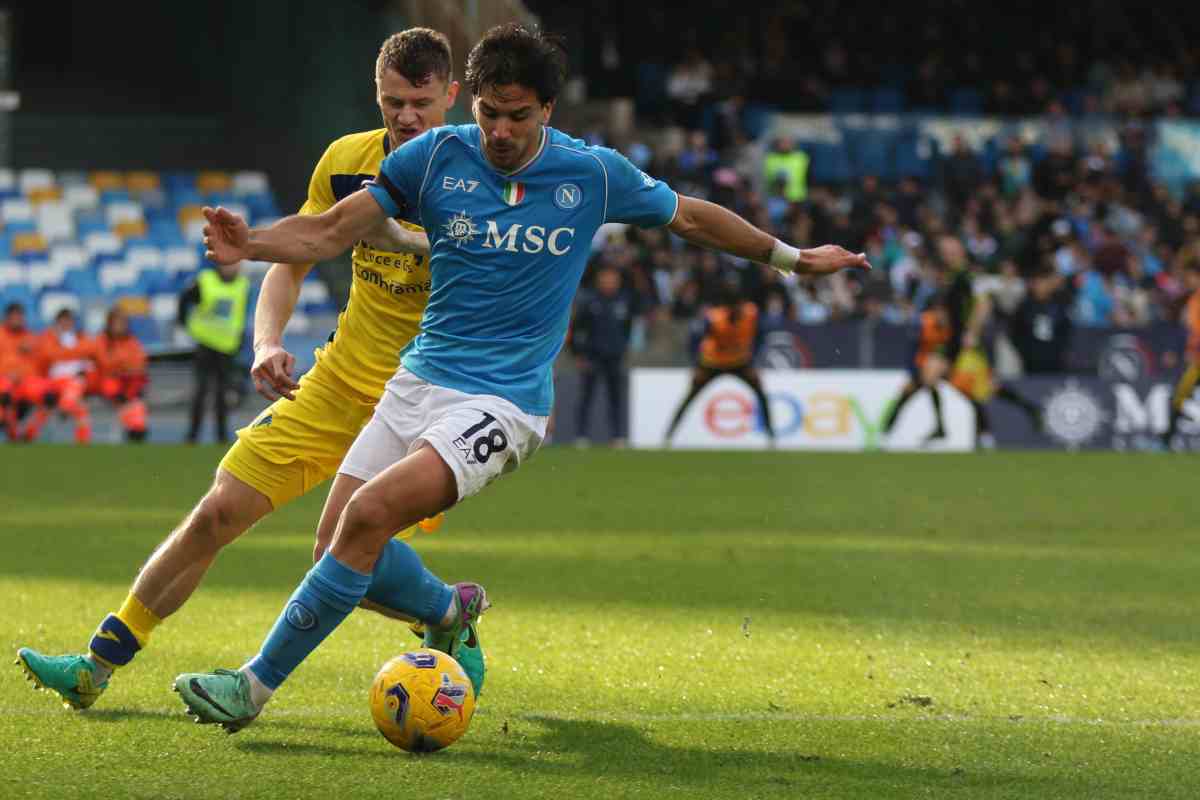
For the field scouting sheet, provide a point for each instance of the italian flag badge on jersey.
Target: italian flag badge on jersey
(514, 192)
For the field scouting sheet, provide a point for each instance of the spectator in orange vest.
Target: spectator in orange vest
(729, 340)
(121, 378)
(22, 389)
(65, 359)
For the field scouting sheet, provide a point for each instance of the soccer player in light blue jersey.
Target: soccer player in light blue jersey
(510, 207)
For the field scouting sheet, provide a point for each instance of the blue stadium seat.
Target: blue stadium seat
(887, 101)
(847, 101)
(145, 329)
(966, 101)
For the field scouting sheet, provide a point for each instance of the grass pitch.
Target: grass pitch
(690, 625)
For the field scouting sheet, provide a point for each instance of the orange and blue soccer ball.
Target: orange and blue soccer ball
(422, 701)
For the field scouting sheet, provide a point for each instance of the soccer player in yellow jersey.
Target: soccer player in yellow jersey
(299, 441)
(1191, 375)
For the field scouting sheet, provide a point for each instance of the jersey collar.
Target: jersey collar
(533, 158)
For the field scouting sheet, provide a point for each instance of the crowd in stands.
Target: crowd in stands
(55, 370)
(1111, 241)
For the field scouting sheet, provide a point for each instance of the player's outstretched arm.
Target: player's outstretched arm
(709, 225)
(393, 237)
(298, 239)
(273, 365)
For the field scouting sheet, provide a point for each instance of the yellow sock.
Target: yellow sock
(140, 620)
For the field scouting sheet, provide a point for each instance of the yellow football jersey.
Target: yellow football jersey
(388, 292)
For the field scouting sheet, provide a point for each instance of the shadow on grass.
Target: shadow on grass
(584, 749)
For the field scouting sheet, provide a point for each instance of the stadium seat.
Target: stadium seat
(164, 307)
(182, 260)
(102, 244)
(193, 231)
(142, 181)
(56, 222)
(116, 213)
(131, 230)
(44, 194)
(16, 210)
(887, 101)
(847, 101)
(314, 297)
(23, 295)
(46, 275)
(178, 182)
(33, 179)
(145, 329)
(116, 277)
(107, 181)
(213, 182)
(69, 178)
(30, 245)
(250, 183)
(8, 183)
(80, 197)
(53, 302)
(966, 101)
(13, 273)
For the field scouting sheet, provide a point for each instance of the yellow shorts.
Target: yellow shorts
(294, 445)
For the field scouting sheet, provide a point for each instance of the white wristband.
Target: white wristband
(784, 257)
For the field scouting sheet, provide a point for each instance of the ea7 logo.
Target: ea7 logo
(452, 184)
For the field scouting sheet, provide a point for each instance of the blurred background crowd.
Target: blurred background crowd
(1020, 144)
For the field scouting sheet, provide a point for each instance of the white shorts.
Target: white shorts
(479, 436)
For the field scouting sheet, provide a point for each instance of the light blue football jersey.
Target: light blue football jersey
(507, 251)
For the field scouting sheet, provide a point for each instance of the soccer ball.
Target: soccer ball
(422, 701)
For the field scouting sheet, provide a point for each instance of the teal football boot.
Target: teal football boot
(70, 677)
(217, 698)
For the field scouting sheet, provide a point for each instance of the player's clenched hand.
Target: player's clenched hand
(830, 258)
(226, 236)
(272, 372)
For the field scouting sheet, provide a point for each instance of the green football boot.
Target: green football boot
(70, 677)
(217, 698)
(461, 640)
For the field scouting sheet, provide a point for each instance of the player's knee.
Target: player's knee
(213, 524)
(365, 514)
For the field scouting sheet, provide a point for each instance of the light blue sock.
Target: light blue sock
(402, 583)
(328, 593)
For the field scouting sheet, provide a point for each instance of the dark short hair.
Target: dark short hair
(516, 54)
(419, 54)
(64, 312)
(13, 308)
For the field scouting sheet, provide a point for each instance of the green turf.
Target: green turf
(668, 625)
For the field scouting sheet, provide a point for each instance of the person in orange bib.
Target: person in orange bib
(121, 378)
(22, 390)
(64, 357)
(728, 342)
(929, 365)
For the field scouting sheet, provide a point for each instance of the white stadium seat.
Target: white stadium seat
(250, 183)
(124, 211)
(45, 274)
(182, 259)
(68, 256)
(144, 257)
(164, 307)
(81, 196)
(53, 302)
(56, 222)
(13, 273)
(102, 244)
(16, 210)
(32, 179)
